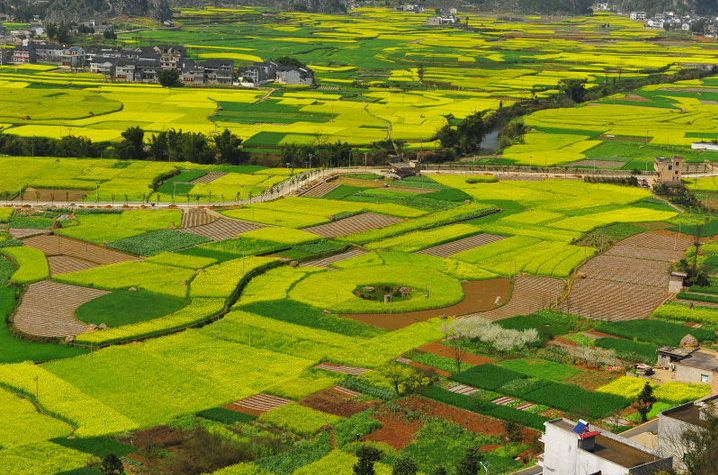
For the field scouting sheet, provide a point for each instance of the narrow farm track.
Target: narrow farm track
(48, 309)
(223, 228)
(354, 224)
(460, 245)
(530, 294)
(630, 280)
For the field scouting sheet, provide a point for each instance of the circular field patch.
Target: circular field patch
(125, 307)
(336, 290)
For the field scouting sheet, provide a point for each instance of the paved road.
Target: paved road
(304, 181)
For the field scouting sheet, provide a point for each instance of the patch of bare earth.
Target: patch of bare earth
(531, 294)
(338, 401)
(48, 309)
(224, 228)
(69, 255)
(354, 224)
(44, 194)
(630, 280)
(479, 296)
(461, 245)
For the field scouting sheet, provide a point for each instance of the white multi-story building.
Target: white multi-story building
(572, 448)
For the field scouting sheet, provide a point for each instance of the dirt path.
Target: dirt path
(479, 296)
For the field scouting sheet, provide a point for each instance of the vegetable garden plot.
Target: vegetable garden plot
(338, 401)
(354, 224)
(48, 309)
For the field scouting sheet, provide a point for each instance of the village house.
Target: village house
(673, 423)
(49, 53)
(295, 76)
(24, 55)
(577, 448)
(263, 73)
(689, 363)
(74, 57)
(670, 170)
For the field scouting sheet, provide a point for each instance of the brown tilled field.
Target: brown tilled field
(461, 245)
(48, 309)
(469, 420)
(66, 255)
(530, 294)
(327, 261)
(338, 401)
(321, 189)
(630, 280)
(209, 177)
(43, 194)
(194, 217)
(224, 228)
(479, 296)
(353, 224)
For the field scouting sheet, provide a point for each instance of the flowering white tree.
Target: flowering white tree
(503, 339)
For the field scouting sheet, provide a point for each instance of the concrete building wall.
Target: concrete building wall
(562, 456)
(688, 374)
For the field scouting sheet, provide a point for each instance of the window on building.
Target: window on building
(705, 378)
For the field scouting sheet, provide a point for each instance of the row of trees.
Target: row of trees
(171, 145)
(176, 146)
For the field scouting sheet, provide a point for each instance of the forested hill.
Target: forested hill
(582, 6)
(59, 11)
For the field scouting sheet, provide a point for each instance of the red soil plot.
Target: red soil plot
(460, 245)
(469, 420)
(321, 189)
(396, 430)
(479, 296)
(338, 401)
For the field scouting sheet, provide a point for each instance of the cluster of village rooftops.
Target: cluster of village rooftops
(143, 65)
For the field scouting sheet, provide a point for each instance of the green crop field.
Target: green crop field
(147, 306)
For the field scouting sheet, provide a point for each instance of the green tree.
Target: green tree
(132, 145)
(644, 401)
(368, 456)
(405, 466)
(112, 465)
(229, 148)
(169, 78)
(574, 89)
(701, 446)
(471, 463)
